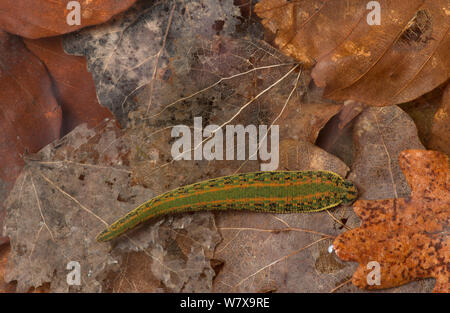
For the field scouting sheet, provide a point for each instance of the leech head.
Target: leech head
(351, 192)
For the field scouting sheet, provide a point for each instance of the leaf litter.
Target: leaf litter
(150, 88)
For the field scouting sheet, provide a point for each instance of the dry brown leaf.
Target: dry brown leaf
(30, 116)
(379, 135)
(46, 18)
(73, 85)
(4, 286)
(394, 62)
(408, 237)
(423, 110)
(440, 130)
(281, 252)
(10, 287)
(339, 124)
(78, 185)
(133, 276)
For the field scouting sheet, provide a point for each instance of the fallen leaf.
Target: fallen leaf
(305, 117)
(380, 134)
(76, 187)
(140, 59)
(408, 236)
(73, 84)
(423, 110)
(133, 276)
(394, 62)
(338, 124)
(440, 130)
(4, 252)
(30, 117)
(46, 18)
(281, 252)
(376, 137)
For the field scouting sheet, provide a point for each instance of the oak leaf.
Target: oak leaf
(394, 62)
(408, 237)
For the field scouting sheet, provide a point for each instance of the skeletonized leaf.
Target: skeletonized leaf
(380, 134)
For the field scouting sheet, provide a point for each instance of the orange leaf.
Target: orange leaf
(407, 237)
(45, 18)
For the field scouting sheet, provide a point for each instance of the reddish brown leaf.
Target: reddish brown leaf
(74, 85)
(30, 117)
(394, 62)
(407, 237)
(45, 18)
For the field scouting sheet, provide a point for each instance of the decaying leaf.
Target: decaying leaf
(80, 184)
(73, 84)
(46, 18)
(30, 117)
(394, 62)
(150, 50)
(408, 237)
(379, 135)
(193, 72)
(161, 64)
(339, 124)
(4, 252)
(440, 131)
(423, 110)
(152, 85)
(281, 252)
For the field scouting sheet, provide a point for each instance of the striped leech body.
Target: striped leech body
(274, 192)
